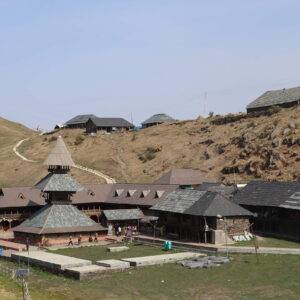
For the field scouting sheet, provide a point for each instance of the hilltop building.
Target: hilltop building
(157, 119)
(79, 121)
(107, 124)
(283, 98)
(93, 123)
(58, 219)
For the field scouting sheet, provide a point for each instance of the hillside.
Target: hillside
(263, 147)
(16, 172)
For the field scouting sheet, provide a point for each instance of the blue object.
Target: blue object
(1, 251)
(168, 245)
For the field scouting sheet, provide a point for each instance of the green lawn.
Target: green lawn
(95, 253)
(270, 242)
(273, 276)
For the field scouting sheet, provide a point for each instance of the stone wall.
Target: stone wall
(234, 225)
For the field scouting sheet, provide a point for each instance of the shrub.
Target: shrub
(149, 154)
(79, 139)
(133, 137)
(52, 139)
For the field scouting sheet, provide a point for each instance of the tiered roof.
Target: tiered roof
(59, 155)
(58, 219)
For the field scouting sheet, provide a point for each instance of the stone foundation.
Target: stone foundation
(234, 226)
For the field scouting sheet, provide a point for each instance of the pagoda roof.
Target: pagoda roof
(58, 218)
(58, 182)
(60, 155)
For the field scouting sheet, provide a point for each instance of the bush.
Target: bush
(52, 139)
(79, 139)
(133, 137)
(149, 154)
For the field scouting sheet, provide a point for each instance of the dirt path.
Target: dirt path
(108, 179)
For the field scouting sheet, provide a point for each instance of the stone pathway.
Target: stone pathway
(219, 248)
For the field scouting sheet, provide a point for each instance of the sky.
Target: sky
(124, 58)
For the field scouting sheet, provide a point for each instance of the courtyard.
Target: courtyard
(246, 277)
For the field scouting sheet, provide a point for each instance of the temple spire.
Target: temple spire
(60, 155)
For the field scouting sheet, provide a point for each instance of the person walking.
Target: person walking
(70, 241)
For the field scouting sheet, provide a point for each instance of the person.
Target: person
(119, 230)
(70, 241)
(96, 238)
(79, 239)
(27, 244)
(90, 238)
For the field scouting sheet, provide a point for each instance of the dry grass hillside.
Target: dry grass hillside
(16, 172)
(228, 148)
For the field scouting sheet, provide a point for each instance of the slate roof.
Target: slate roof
(274, 194)
(226, 190)
(92, 193)
(123, 214)
(182, 177)
(200, 203)
(55, 218)
(80, 119)
(54, 182)
(21, 197)
(111, 122)
(158, 118)
(59, 155)
(276, 97)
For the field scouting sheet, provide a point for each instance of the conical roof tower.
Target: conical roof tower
(59, 216)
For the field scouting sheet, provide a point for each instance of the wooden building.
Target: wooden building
(277, 206)
(201, 216)
(283, 98)
(107, 124)
(79, 121)
(122, 218)
(157, 119)
(185, 178)
(58, 219)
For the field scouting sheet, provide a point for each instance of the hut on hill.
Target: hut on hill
(157, 119)
(283, 98)
(58, 220)
(107, 124)
(79, 121)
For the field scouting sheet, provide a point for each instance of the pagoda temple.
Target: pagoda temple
(58, 221)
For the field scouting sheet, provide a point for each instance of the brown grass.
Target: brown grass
(183, 144)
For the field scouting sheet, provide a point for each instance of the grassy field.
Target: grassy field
(100, 252)
(273, 276)
(270, 242)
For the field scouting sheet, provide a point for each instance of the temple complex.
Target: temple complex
(58, 222)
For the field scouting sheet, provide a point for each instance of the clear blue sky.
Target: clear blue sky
(60, 58)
